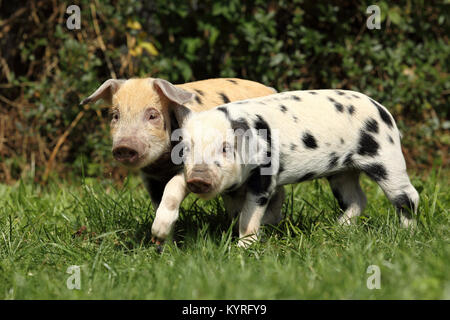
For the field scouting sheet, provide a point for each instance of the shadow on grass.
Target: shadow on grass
(308, 208)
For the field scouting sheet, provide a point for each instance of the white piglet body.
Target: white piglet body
(301, 135)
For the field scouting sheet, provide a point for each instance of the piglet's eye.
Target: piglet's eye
(226, 148)
(151, 114)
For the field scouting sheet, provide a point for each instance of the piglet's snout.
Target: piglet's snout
(128, 150)
(200, 180)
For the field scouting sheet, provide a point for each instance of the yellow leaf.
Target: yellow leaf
(149, 47)
(136, 51)
(135, 25)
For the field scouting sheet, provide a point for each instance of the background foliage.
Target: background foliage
(47, 69)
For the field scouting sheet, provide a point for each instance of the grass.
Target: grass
(307, 256)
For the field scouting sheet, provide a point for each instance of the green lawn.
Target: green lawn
(308, 256)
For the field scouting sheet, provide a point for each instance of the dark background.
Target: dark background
(46, 69)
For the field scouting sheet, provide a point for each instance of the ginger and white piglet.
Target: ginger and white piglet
(246, 150)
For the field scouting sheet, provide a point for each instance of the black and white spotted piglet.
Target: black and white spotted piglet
(292, 137)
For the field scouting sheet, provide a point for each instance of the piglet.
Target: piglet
(247, 150)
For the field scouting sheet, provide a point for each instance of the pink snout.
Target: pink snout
(197, 185)
(128, 151)
(200, 180)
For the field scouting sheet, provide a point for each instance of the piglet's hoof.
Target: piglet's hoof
(159, 244)
(157, 241)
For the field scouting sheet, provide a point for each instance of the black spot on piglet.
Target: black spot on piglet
(197, 98)
(258, 183)
(339, 107)
(307, 176)
(224, 110)
(351, 109)
(240, 123)
(309, 141)
(200, 92)
(333, 161)
(383, 113)
(367, 145)
(371, 125)
(224, 97)
(263, 128)
(348, 161)
(376, 171)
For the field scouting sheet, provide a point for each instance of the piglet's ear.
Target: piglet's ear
(181, 113)
(173, 93)
(105, 92)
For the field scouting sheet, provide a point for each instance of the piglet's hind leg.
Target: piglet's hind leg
(348, 193)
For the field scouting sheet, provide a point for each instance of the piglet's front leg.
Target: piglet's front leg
(250, 218)
(167, 212)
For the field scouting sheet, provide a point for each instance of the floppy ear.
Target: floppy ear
(105, 91)
(179, 97)
(242, 136)
(181, 113)
(173, 93)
